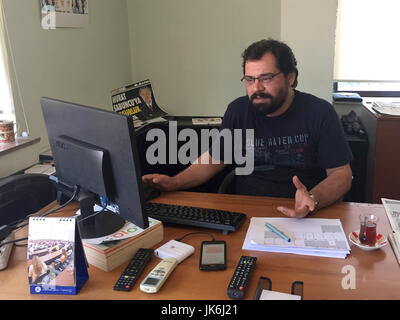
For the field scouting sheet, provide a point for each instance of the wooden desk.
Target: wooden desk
(377, 272)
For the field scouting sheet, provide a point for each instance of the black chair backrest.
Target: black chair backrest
(228, 184)
(24, 194)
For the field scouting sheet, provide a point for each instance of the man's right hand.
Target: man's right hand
(160, 181)
(196, 174)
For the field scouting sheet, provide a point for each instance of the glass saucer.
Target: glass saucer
(381, 241)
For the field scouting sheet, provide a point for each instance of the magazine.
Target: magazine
(137, 101)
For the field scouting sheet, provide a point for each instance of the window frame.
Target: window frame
(365, 93)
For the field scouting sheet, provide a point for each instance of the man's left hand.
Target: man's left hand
(303, 203)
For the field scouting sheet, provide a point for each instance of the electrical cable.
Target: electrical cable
(12, 241)
(14, 226)
(200, 232)
(95, 213)
(76, 191)
(15, 223)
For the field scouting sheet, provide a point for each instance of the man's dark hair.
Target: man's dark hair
(285, 59)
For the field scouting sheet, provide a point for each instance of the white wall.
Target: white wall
(308, 27)
(191, 50)
(78, 65)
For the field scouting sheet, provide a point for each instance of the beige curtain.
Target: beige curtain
(6, 101)
(367, 41)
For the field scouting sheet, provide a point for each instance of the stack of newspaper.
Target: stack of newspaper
(314, 237)
(392, 208)
(391, 108)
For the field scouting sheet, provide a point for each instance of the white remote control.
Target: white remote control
(5, 251)
(156, 278)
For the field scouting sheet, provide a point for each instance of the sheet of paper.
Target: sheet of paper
(41, 168)
(274, 295)
(311, 236)
(392, 208)
(200, 121)
(387, 108)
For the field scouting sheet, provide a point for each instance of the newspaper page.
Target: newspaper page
(137, 101)
(392, 208)
(387, 108)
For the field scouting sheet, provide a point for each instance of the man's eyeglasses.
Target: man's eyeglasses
(264, 79)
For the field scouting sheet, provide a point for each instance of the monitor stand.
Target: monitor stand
(98, 225)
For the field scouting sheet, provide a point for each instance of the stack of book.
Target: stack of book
(110, 254)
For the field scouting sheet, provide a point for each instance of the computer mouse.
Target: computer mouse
(151, 193)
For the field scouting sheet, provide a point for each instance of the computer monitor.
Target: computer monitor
(95, 150)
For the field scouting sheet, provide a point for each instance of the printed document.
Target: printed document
(311, 236)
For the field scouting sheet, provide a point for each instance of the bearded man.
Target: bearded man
(299, 145)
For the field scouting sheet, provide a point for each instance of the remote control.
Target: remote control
(133, 270)
(241, 276)
(156, 278)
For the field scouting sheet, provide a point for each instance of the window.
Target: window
(367, 47)
(369, 89)
(6, 101)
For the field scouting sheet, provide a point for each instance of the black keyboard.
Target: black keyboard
(195, 217)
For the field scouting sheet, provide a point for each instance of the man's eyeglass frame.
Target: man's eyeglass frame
(264, 79)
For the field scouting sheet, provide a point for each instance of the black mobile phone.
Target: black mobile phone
(213, 255)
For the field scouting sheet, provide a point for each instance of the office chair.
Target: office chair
(24, 194)
(227, 185)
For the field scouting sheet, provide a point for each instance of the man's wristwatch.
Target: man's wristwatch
(315, 202)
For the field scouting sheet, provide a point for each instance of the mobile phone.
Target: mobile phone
(213, 255)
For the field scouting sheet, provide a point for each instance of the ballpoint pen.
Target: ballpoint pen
(276, 231)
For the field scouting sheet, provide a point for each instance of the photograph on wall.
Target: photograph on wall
(64, 14)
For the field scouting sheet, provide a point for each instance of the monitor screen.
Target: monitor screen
(95, 150)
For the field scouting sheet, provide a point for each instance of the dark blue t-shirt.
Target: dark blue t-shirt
(304, 141)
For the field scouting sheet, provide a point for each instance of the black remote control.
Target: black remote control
(241, 276)
(133, 270)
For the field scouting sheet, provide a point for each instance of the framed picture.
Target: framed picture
(64, 14)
